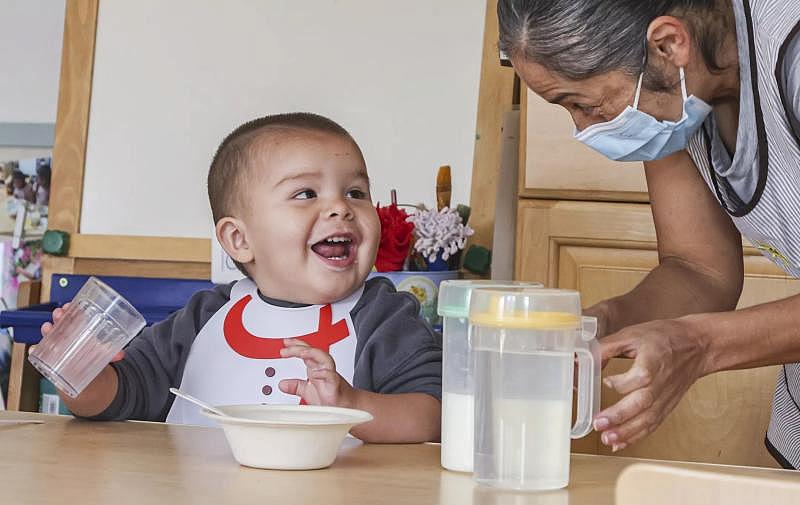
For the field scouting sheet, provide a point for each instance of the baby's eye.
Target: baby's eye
(306, 194)
(356, 194)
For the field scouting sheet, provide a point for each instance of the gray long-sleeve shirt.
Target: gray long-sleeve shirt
(396, 351)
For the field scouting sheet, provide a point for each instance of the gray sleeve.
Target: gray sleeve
(155, 359)
(397, 351)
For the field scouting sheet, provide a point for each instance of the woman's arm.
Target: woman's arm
(700, 271)
(670, 355)
(700, 253)
(763, 335)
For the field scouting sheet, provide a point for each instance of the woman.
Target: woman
(707, 94)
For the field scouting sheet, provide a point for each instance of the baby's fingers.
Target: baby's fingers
(323, 374)
(295, 387)
(60, 311)
(312, 357)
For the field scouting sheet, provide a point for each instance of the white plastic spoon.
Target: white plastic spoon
(198, 402)
(21, 421)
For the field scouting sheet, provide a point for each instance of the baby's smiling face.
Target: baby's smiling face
(311, 230)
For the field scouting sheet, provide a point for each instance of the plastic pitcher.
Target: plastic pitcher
(524, 344)
(458, 393)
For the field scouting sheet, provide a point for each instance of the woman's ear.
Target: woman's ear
(232, 235)
(671, 40)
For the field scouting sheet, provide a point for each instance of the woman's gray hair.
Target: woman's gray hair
(582, 38)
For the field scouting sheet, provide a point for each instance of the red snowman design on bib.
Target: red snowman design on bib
(252, 346)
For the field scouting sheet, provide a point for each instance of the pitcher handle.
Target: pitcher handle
(589, 369)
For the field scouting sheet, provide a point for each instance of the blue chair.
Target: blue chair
(155, 299)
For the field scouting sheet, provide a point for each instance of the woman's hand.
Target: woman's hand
(324, 385)
(669, 358)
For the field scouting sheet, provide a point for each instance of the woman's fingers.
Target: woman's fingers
(624, 410)
(624, 343)
(637, 423)
(636, 378)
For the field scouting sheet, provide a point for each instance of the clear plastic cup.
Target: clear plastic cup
(98, 324)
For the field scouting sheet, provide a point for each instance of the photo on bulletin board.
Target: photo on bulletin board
(23, 221)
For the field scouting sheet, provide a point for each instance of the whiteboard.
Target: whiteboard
(171, 79)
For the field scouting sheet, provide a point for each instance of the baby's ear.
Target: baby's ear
(232, 235)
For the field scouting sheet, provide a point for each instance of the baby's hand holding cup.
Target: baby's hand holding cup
(85, 336)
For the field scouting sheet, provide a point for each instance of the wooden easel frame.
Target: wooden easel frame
(495, 98)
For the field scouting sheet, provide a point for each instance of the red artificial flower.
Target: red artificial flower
(396, 236)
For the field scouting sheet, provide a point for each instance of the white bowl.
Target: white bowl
(286, 437)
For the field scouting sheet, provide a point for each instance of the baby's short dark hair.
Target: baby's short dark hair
(230, 169)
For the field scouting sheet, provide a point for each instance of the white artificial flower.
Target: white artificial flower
(439, 231)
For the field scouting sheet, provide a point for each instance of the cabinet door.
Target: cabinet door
(555, 165)
(604, 250)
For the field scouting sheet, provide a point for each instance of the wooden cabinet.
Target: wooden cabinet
(604, 249)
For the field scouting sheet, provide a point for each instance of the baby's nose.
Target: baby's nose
(340, 209)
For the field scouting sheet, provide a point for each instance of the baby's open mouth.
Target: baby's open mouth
(337, 249)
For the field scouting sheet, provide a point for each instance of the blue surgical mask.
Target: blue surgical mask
(637, 136)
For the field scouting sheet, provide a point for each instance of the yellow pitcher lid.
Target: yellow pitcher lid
(527, 320)
(541, 309)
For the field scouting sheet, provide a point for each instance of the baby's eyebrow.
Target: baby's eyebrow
(362, 174)
(302, 175)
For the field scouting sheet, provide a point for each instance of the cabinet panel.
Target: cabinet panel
(604, 250)
(554, 164)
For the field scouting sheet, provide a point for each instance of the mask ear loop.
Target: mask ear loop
(683, 82)
(641, 77)
(638, 92)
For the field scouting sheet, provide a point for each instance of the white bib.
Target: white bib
(235, 359)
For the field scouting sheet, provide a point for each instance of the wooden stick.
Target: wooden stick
(443, 187)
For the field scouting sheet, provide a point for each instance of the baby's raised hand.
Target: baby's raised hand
(58, 314)
(324, 385)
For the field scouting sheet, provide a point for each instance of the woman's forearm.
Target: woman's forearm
(672, 289)
(767, 334)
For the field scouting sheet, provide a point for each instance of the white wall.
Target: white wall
(31, 33)
(171, 79)
(30, 59)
